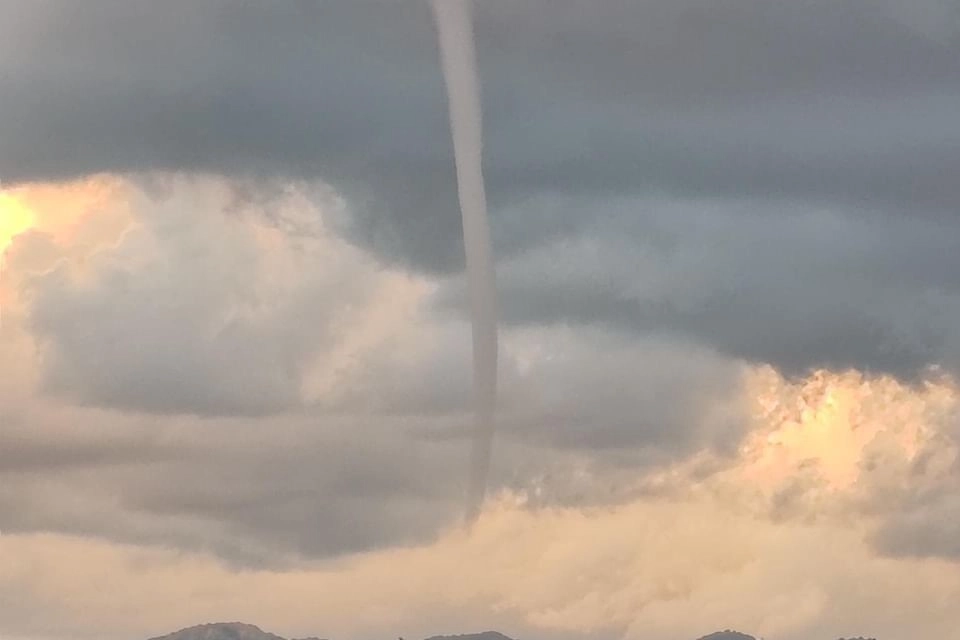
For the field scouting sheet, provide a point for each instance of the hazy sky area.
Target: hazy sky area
(235, 374)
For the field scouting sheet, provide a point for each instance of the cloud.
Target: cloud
(198, 310)
(764, 116)
(252, 492)
(761, 501)
(211, 336)
(786, 285)
(925, 530)
(207, 313)
(237, 358)
(619, 104)
(582, 390)
(646, 567)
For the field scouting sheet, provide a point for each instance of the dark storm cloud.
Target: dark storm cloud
(232, 487)
(922, 505)
(930, 529)
(818, 100)
(354, 488)
(28, 449)
(608, 395)
(763, 281)
(273, 492)
(599, 392)
(846, 107)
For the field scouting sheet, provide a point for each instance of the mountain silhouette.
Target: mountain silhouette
(485, 635)
(223, 631)
(240, 631)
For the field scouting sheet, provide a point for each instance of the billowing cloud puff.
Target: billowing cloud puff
(210, 311)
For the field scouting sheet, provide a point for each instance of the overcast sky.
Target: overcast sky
(236, 355)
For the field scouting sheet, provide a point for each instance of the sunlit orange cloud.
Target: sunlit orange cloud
(63, 209)
(73, 218)
(830, 423)
(15, 218)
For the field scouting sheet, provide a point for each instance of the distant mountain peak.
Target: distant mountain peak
(241, 631)
(728, 635)
(483, 635)
(221, 631)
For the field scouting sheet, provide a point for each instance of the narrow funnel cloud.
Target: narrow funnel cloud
(458, 56)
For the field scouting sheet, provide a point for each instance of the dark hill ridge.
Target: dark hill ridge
(484, 635)
(223, 631)
(727, 635)
(240, 631)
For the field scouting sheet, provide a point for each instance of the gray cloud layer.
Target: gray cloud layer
(259, 390)
(691, 179)
(594, 110)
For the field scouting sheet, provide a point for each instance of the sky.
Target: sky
(235, 366)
